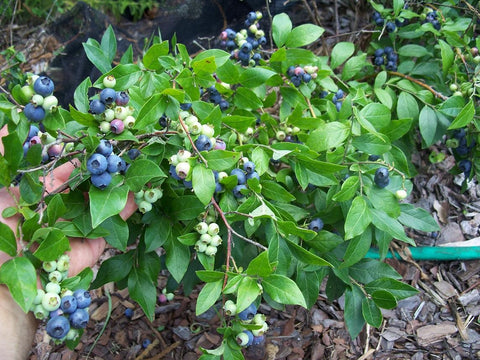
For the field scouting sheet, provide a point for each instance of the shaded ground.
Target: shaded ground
(441, 322)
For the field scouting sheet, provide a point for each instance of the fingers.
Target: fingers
(84, 253)
(60, 175)
(129, 208)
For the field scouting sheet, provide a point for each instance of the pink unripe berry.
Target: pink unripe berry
(298, 71)
(162, 298)
(220, 144)
(55, 150)
(117, 126)
(35, 140)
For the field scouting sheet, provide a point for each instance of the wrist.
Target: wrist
(17, 329)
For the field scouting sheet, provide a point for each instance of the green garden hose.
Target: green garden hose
(439, 253)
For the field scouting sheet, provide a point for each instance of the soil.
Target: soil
(441, 322)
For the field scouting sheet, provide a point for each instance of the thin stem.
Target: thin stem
(184, 126)
(418, 82)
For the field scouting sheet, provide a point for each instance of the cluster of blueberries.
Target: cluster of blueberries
(380, 21)
(209, 238)
(65, 310)
(41, 100)
(248, 172)
(387, 57)
(103, 163)
(381, 177)
(243, 44)
(299, 75)
(462, 149)
(216, 98)
(111, 108)
(145, 198)
(247, 316)
(432, 18)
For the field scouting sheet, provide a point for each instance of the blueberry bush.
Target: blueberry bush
(261, 171)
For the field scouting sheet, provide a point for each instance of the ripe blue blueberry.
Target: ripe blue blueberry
(97, 164)
(128, 313)
(83, 298)
(58, 327)
(122, 98)
(68, 304)
(115, 163)
(241, 179)
(381, 177)
(316, 224)
(163, 121)
(245, 338)
(248, 313)
(249, 167)
(108, 96)
(338, 105)
(101, 181)
(43, 86)
(257, 340)
(133, 154)
(34, 113)
(173, 172)
(185, 106)
(379, 52)
(96, 107)
(79, 319)
(388, 50)
(203, 143)
(262, 41)
(105, 147)
(33, 131)
(465, 166)
(252, 175)
(223, 104)
(246, 47)
(379, 61)
(390, 27)
(391, 66)
(146, 343)
(306, 78)
(296, 80)
(373, 157)
(291, 71)
(252, 16)
(237, 191)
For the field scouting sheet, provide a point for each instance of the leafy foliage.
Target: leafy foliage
(315, 147)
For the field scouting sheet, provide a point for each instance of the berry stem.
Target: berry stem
(418, 82)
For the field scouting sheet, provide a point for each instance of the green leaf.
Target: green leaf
(118, 232)
(151, 57)
(150, 112)
(13, 150)
(143, 291)
(353, 310)
(357, 248)
(377, 114)
(353, 66)
(109, 43)
(303, 35)
(210, 276)
(452, 106)
(253, 77)
(447, 56)
(186, 207)
(203, 182)
(348, 190)
(208, 296)
(309, 284)
(8, 243)
(248, 291)
(21, 279)
(246, 99)
(340, 53)
(97, 56)
(157, 233)
(390, 225)
(464, 117)
(367, 270)
(371, 312)
(413, 50)
(305, 256)
(31, 189)
(428, 125)
(177, 258)
(397, 288)
(283, 290)
(140, 172)
(260, 266)
(261, 160)
(107, 202)
(384, 299)
(115, 269)
(417, 218)
(55, 209)
(358, 218)
(327, 136)
(281, 28)
(274, 191)
(54, 243)
(372, 143)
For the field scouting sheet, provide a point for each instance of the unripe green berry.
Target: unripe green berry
(259, 34)
(72, 334)
(173, 160)
(52, 287)
(121, 112)
(26, 92)
(476, 59)
(144, 206)
(210, 218)
(182, 169)
(401, 194)
(259, 319)
(139, 195)
(40, 312)
(63, 263)
(253, 29)
(206, 238)
(213, 229)
(184, 114)
(51, 301)
(211, 250)
(170, 296)
(191, 119)
(37, 100)
(453, 87)
(152, 195)
(49, 266)
(230, 308)
(216, 240)
(129, 122)
(108, 115)
(242, 339)
(280, 135)
(55, 276)
(201, 228)
(39, 297)
(208, 130)
(109, 81)
(104, 127)
(222, 175)
(260, 332)
(200, 246)
(66, 292)
(50, 103)
(195, 128)
(181, 131)
(457, 93)
(249, 131)
(183, 155)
